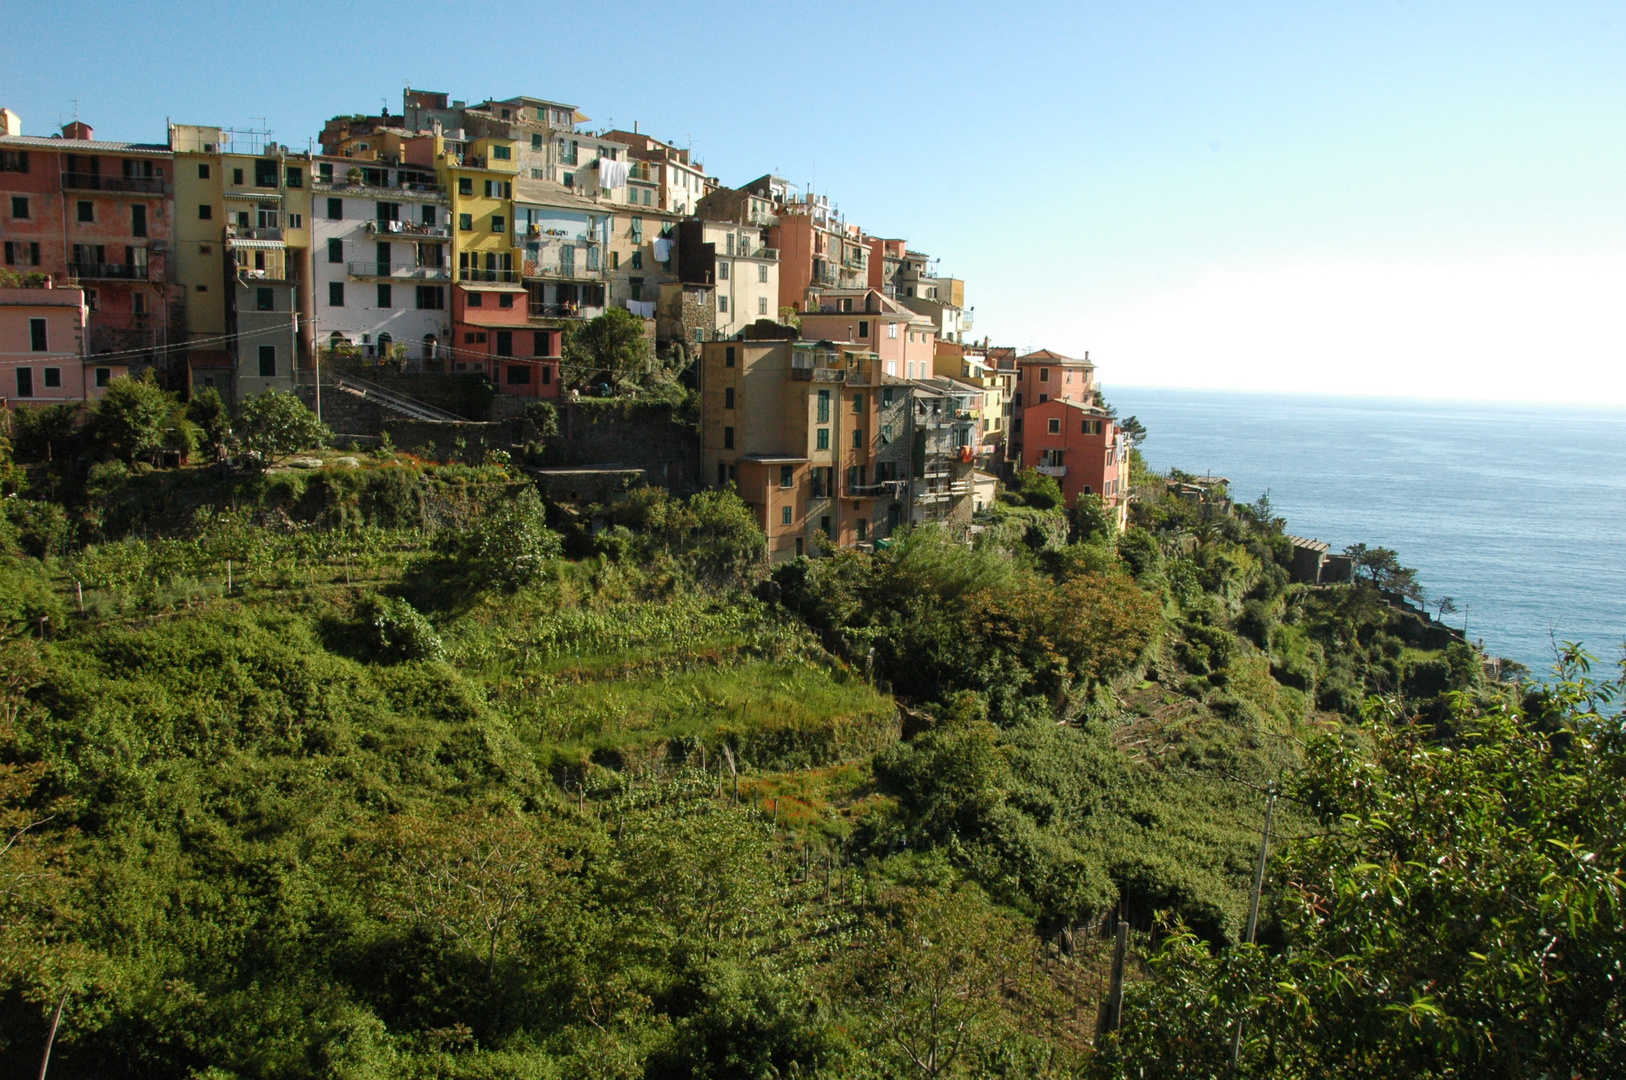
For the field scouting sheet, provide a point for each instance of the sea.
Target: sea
(1516, 512)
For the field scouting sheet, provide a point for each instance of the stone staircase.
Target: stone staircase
(390, 400)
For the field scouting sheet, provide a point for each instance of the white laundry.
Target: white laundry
(612, 174)
(663, 249)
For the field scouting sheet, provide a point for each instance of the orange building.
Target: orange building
(905, 342)
(1080, 446)
(492, 334)
(42, 340)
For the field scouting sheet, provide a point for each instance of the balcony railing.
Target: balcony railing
(403, 270)
(129, 185)
(108, 271)
(1051, 470)
(469, 273)
(565, 311)
(408, 229)
(252, 232)
(250, 274)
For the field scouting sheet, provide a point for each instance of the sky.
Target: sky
(1412, 198)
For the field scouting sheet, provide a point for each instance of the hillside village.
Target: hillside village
(423, 274)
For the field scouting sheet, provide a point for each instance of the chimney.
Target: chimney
(10, 123)
(77, 130)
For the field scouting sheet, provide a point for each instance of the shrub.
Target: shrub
(275, 425)
(130, 418)
(1039, 491)
(208, 413)
(508, 547)
(396, 631)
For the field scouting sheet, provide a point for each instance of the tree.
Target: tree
(129, 419)
(208, 412)
(1133, 430)
(1447, 605)
(275, 425)
(1038, 490)
(45, 432)
(1457, 913)
(940, 983)
(1092, 519)
(509, 546)
(611, 348)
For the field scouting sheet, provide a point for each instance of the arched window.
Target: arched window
(429, 346)
(384, 343)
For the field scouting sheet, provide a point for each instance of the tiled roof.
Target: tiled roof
(72, 145)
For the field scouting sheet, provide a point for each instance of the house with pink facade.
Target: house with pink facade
(42, 348)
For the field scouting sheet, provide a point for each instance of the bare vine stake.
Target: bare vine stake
(1253, 904)
(50, 1038)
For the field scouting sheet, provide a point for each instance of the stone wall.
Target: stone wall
(633, 435)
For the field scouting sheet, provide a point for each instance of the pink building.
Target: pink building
(42, 343)
(1080, 447)
(906, 342)
(492, 335)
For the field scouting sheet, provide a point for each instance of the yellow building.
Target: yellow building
(481, 185)
(242, 240)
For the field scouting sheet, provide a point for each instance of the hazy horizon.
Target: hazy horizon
(1420, 199)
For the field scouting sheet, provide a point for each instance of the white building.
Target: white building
(565, 241)
(380, 259)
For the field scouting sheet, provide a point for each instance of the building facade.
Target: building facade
(381, 265)
(98, 214)
(1080, 447)
(44, 332)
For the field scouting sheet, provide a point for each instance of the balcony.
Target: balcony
(251, 232)
(469, 273)
(402, 271)
(1058, 471)
(407, 230)
(121, 185)
(268, 274)
(108, 271)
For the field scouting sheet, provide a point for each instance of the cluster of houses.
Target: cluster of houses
(842, 389)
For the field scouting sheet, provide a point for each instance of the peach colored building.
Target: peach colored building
(1047, 375)
(42, 341)
(905, 342)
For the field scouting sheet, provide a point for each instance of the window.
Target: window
(265, 300)
(13, 160)
(615, 260)
(498, 223)
(138, 303)
(502, 153)
(1055, 426)
(847, 305)
(637, 230)
(858, 404)
(762, 273)
(722, 305)
(638, 263)
(536, 142)
(36, 335)
(476, 299)
(428, 215)
(384, 298)
(324, 172)
(784, 515)
(335, 250)
(519, 375)
(203, 288)
(824, 406)
(858, 438)
(823, 438)
(728, 438)
(335, 209)
(1016, 400)
(570, 179)
(138, 221)
(465, 222)
(728, 356)
(728, 397)
(19, 206)
(104, 376)
(237, 176)
(265, 172)
(892, 330)
(205, 212)
(861, 527)
(1092, 427)
(268, 361)
(762, 305)
(465, 185)
(87, 210)
(296, 177)
(505, 343)
(540, 347)
(722, 271)
(1044, 374)
(335, 294)
(1043, 398)
(431, 298)
(25, 382)
(493, 189)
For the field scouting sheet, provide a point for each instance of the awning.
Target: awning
(253, 196)
(491, 286)
(261, 245)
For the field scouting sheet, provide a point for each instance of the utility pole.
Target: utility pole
(1253, 905)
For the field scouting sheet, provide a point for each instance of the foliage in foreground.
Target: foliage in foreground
(1458, 913)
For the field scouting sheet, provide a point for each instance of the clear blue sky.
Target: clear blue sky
(1386, 197)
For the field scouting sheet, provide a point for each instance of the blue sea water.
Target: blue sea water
(1518, 512)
